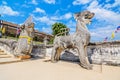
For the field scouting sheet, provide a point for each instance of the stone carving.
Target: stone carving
(38, 51)
(78, 40)
(23, 47)
(25, 41)
(105, 53)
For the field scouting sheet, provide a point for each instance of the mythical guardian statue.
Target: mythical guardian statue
(23, 47)
(78, 40)
(25, 41)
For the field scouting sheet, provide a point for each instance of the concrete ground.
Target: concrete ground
(40, 70)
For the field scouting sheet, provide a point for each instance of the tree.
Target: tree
(59, 29)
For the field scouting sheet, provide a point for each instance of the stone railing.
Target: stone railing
(8, 46)
(39, 51)
(98, 53)
(105, 52)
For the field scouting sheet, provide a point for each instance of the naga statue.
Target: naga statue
(23, 47)
(79, 40)
(25, 41)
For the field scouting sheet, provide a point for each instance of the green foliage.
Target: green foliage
(35, 38)
(56, 29)
(51, 41)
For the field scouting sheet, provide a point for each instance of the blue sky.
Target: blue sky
(47, 12)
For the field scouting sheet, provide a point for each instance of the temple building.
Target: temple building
(11, 29)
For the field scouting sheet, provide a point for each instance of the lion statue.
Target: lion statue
(79, 40)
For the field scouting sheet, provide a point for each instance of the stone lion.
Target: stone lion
(78, 40)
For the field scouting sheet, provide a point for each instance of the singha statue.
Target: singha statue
(78, 40)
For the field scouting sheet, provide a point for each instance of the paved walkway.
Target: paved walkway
(40, 70)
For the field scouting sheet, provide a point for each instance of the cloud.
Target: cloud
(62, 17)
(78, 2)
(47, 29)
(50, 1)
(39, 10)
(45, 20)
(25, 6)
(105, 21)
(55, 18)
(67, 16)
(115, 4)
(8, 11)
(72, 25)
(4, 3)
(107, 1)
(104, 14)
(48, 21)
(34, 2)
(99, 33)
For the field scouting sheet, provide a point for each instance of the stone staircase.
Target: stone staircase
(8, 58)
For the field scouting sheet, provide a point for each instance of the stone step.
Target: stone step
(1, 50)
(11, 60)
(8, 60)
(5, 56)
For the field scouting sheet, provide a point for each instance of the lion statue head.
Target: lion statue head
(84, 16)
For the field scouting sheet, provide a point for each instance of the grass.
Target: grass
(37, 42)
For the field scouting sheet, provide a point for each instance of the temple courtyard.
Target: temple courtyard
(62, 70)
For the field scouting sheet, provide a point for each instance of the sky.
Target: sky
(47, 12)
